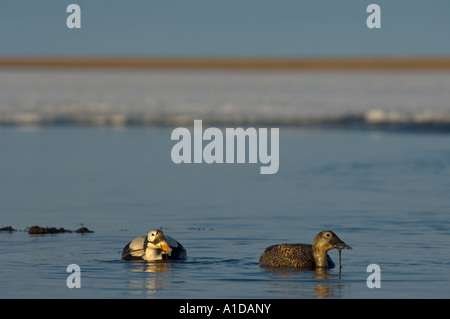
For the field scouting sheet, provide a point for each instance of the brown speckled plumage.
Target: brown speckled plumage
(288, 256)
(303, 255)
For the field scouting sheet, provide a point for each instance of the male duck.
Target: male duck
(154, 246)
(303, 255)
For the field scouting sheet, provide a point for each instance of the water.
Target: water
(385, 193)
(383, 190)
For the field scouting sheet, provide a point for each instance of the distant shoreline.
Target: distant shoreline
(284, 64)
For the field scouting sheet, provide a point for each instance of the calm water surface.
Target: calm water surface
(385, 193)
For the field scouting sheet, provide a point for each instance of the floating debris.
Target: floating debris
(199, 228)
(36, 230)
(8, 229)
(83, 230)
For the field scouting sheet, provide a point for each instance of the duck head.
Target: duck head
(323, 242)
(327, 240)
(155, 239)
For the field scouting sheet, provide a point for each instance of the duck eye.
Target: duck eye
(328, 235)
(153, 234)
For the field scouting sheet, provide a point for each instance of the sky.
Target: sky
(225, 28)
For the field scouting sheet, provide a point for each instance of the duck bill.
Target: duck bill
(342, 245)
(164, 246)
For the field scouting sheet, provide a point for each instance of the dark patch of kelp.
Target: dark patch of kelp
(37, 230)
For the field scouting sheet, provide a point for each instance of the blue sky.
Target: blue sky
(286, 28)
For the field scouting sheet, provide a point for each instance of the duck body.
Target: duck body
(154, 246)
(291, 256)
(303, 256)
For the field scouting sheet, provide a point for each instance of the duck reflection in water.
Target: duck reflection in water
(149, 277)
(311, 283)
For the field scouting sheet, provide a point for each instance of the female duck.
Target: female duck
(303, 255)
(154, 246)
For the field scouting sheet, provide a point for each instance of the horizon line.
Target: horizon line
(231, 63)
